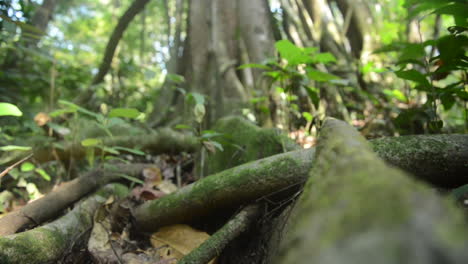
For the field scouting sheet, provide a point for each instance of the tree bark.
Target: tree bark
(355, 209)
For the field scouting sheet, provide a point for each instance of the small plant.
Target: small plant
(443, 76)
(297, 69)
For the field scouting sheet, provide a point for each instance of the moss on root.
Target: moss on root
(243, 142)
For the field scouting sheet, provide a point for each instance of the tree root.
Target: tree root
(48, 243)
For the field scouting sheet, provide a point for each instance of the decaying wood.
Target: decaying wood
(160, 141)
(218, 241)
(356, 209)
(54, 202)
(49, 243)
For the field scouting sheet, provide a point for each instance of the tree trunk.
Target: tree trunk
(214, 48)
(136, 7)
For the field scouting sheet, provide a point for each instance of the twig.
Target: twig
(7, 170)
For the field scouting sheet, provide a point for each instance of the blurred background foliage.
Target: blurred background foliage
(411, 81)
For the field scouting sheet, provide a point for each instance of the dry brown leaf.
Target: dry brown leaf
(167, 187)
(152, 176)
(176, 241)
(42, 118)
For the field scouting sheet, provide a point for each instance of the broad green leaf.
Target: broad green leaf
(293, 54)
(175, 78)
(455, 9)
(124, 112)
(91, 142)
(307, 116)
(133, 151)
(325, 58)
(197, 97)
(7, 109)
(27, 166)
(199, 112)
(314, 95)
(412, 51)
(447, 101)
(43, 174)
(320, 76)
(15, 148)
(415, 76)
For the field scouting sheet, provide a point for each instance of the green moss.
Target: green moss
(243, 142)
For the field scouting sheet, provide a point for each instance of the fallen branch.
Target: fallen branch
(54, 202)
(161, 141)
(356, 209)
(219, 240)
(48, 243)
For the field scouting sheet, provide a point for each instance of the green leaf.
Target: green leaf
(447, 100)
(217, 145)
(460, 191)
(124, 112)
(43, 174)
(199, 112)
(415, 76)
(130, 178)
(210, 134)
(110, 150)
(91, 142)
(325, 58)
(27, 166)
(15, 148)
(455, 9)
(130, 150)
(80, 109)
(307, 116)
(412, 51)
(397, 94)
(253, 65)
(197, 97)
(293, 54)
(320, 76)
(182, 126)
(60, 112)
(7, 109)
(314, 95)
(175, 78)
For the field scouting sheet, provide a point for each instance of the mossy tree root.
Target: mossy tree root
(356, 209)
(48, 243)
(47, 207)
(219, 240)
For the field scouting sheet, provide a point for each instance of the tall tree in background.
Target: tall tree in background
(221, 35)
